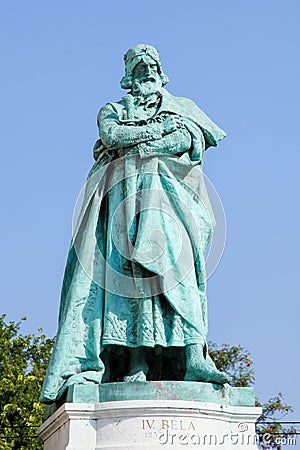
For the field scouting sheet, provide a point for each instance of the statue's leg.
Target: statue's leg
(138, 367)
(105, 358)
(200, 366)
(155, 362)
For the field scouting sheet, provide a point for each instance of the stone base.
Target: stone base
(153, 423)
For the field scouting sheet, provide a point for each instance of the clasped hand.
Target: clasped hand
(171, 123)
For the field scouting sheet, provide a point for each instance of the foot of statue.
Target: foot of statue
(200, 366)
(138, 376)
(138, 368)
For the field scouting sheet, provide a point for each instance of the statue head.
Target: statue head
(142, 65)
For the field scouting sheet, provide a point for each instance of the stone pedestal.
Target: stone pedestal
(155, 423)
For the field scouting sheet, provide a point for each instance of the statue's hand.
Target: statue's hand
(171, 123)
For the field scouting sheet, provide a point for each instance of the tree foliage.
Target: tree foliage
(269, 425)
(236, 361)
(23, 364)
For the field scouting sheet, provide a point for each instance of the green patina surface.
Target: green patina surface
(133, 303)
(159, 390)
(166, 390)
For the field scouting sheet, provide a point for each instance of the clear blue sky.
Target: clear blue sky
(239, 61)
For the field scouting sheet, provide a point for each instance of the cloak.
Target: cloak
(176, 192)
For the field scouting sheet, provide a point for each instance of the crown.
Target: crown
(140, 50)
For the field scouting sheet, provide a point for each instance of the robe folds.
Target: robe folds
(135, 273)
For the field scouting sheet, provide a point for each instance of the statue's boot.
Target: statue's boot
(200, 366)
(138, 367)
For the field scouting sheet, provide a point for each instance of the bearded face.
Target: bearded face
(145, 78)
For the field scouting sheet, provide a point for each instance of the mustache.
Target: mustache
(144, 79)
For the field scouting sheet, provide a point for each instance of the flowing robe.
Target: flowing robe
(135, 274)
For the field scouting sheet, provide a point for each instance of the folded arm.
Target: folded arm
(116, 135)
(174, 143)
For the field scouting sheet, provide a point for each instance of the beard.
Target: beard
(147, 87)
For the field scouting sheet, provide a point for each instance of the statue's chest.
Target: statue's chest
(144, 112)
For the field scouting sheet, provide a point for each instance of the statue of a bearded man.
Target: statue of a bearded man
(133, 304)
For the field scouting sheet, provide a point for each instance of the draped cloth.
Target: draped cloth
(135, 273)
